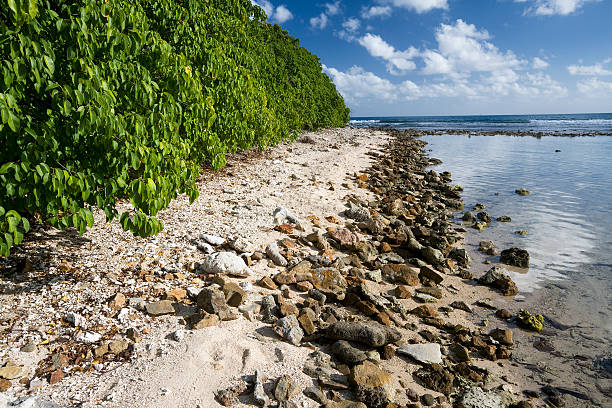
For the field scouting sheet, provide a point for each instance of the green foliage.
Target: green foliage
(103, 100)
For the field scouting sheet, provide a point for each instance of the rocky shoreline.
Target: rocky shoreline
(521, 133)
(375, 303)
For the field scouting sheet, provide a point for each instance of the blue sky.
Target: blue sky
(454, 57)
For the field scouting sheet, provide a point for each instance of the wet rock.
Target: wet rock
(504, 218)
(348, 354)
(484, 217)
(460, 255)
(461, 305)
(433, 256)
(225, 263)
(468, 216)
(424, 353)
(289, 329)
(515, 257)
(479, 226)
(402, 273)
(427, 272)
(504, 336)
(274, 254)
(522, 192)
(487, 247)
(372, 334)
(160, 308)
(372, 385)
(528, 321)
(437, 378)
(496, 277)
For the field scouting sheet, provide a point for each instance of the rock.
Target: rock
(282, 215)
(424, 311)
(212, 239)
(479, 226)
(225, 263)
(427, 272)
(328, 278)
(427, 400)
(496, 277)
(431, 291)
(89, 337)
(10, 372)
(461, 305)
(117, 302)
(374, 276)
(4, 386)
(212, 300)
(176, 295)
(528, 321)
(202, 320)
(437, 378)
(229, 396)
(476, 397)
(118, 346)
(372, 334)
(315, 393)
(204, 246)
(234, 294)
(365, 250)
(75, 319)
(259, 393)
(522, 192)
(484, 217)
(289, 329)
(346, 238)
(274, 254)
(178, 335)
(242, 246)
(345, 404)
(503, 314)
(285, 389)
(402, 273)
(504, 336)
(390, 257)
(402, 292)
(424, 353)
(515, 257)
(285, 228)
(424, 298)
(468, 216)
(348, 354)
(372, 385)
(433, 256)
(458, 353)
(267, 283)
(504, 218)
(307, 324)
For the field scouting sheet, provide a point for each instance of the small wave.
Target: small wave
(571, 121)
(355, 121)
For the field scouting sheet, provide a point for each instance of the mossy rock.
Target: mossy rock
(530, 322)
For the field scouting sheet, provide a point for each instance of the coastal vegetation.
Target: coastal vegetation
(108, 100)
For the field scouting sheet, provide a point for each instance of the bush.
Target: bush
(113, 99)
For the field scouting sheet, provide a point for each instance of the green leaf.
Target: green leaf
(49, 63)
(26, 224)
(18, 237)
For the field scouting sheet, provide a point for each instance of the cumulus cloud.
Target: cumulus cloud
(397, 61)
(596, 69)
(420, 6)
(357, 85)
(376, 11)
(319, 21)
(554, 7)
(594, 87)
(539, 63)
(349, 29)
(279, 14)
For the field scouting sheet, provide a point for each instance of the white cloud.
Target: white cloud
(463, 49)
(283, 14)
(357, 85)
(420, 6)
(539, 63)
(376, 11)
(331, 9)
(596, 69)
(279, 14)
(352, 24)
(397, 61)
(594, 87)
(554, 7)
(320, 21)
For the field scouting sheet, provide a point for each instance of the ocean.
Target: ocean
(570, 123)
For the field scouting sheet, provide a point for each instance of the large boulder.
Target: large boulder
(497, 278)
(515, 257)
(372, 385)
(401, 273)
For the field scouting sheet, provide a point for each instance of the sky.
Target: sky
(458, 57)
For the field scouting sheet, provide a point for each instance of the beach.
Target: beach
(340, 233)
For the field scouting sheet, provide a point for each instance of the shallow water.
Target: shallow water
(568, 214)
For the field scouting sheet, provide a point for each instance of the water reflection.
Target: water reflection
(567, 215)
